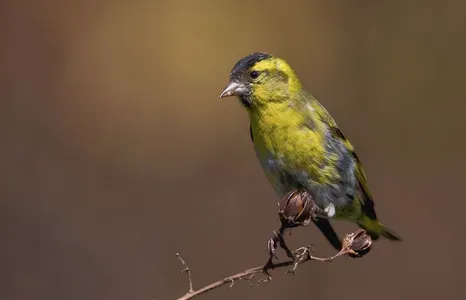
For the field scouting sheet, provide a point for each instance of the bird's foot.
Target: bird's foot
(313, 209)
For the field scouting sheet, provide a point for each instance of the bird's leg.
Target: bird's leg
(314, 209)
(314, 212)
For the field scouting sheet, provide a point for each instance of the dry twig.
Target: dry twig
(352, 244)
(296, 208)
(187, 270)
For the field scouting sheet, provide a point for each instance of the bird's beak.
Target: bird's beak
(233, 89)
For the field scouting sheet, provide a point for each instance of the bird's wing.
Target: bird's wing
(250, 132)
(327, 230)
(366, 197)
(322, 224)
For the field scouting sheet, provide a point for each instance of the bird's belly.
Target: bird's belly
(280, 179)
(284, 179)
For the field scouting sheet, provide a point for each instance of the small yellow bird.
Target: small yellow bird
(299, 145)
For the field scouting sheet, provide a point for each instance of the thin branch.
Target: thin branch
(295, 209)
(303, 255)
(187, 270)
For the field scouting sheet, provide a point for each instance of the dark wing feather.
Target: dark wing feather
(366, 197)
(327, 230)
(250, 133)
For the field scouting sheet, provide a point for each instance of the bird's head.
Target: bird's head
(260, 78)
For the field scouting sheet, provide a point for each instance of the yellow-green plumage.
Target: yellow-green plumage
(279, 130)
(299, 144)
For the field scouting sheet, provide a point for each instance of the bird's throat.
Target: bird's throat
(245, 101)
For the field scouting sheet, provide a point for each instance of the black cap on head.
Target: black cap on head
(248, 61)
(241, 80)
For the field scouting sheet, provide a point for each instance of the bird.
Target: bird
(300, 146)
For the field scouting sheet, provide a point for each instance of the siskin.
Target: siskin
(300, 147)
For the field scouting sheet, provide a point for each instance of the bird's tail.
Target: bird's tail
(375, 229)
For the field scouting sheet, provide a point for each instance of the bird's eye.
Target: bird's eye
(254, 74)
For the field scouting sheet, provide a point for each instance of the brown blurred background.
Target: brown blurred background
(116, 152)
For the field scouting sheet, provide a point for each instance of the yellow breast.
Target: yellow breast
(283, 132)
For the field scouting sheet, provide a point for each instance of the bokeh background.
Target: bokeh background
(116, 152)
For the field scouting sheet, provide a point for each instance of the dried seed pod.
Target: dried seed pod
(297, 208)
(357, 243)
